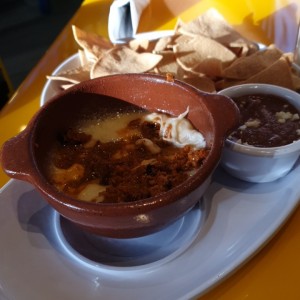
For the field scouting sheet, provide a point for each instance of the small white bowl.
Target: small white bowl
(257, 164)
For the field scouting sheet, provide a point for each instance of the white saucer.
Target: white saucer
(237, 219)
(135, 254)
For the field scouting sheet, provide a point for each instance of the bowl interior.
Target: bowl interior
(265, 89)
(112, 95)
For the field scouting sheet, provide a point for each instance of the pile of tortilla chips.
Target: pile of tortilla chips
(206, 52)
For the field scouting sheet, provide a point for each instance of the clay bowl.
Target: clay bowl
(24, 156)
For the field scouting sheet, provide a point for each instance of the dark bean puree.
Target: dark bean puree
(136, 174)
(266, 121)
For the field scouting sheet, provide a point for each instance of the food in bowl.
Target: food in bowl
(25, 156)
(156, 152)
(266, 121)
(266, 145)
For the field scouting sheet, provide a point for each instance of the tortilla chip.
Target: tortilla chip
(245, 67)
(83, 58)
(296, 82)
(75, 75)
(94, 45)
(202, 83)
(237, 50)
(165, 44)
(124, 60)
(179, 24)
(211, 67)
(138, 45)
(289, 56)
(168, 64)
(279, 73)
(212, 24)
(225, 83)
(195, 53)
(66, 86)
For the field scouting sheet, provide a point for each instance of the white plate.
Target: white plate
(52, 87)
(236, 220)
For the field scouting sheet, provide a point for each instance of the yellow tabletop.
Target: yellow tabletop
(273, 273)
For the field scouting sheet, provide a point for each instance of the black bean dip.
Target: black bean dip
(266, 121)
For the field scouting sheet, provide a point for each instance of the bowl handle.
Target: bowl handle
(226, 112)
(15, 158)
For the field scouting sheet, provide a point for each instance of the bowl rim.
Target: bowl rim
(263, 151)
(264, 88)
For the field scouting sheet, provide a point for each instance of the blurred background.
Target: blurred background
(27, 29)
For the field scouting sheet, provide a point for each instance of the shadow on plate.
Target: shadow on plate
(36, 216)
(132, 253)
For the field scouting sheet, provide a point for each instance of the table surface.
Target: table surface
(273, 273)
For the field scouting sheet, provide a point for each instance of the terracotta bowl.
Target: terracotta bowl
(24, 156)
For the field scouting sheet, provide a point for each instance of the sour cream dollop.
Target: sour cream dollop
(177, 130)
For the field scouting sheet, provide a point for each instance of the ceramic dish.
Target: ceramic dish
(260, 164)
(235, 220)
(99, 98)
